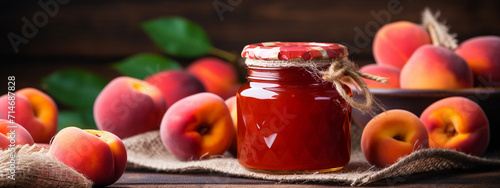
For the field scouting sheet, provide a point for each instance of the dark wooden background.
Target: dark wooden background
(93, 34)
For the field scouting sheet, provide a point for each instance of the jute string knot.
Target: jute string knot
(342, 67)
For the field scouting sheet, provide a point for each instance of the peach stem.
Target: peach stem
(223, 54)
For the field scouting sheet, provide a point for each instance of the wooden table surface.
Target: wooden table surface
(454, 178)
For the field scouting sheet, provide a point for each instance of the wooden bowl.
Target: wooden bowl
(416, 101)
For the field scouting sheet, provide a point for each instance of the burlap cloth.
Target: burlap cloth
(146, 151)
(35, 168)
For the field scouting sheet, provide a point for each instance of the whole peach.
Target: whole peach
(391, 73)
(434, 67)
(391, 135)
(35, 111)
(99, 155)
(12, 134)
(176, 84)
(217, 75)
(197, 127)
(395, 42)
(483, 56)
(231, 104)
(457, 123)
(128, 106)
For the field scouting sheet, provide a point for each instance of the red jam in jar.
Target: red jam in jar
(289, 119)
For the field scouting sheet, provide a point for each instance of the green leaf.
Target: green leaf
(142, 65)
(74, 88)
(88, 120)
(83, 120)
(178, 36)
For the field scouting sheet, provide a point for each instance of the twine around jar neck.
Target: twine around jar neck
(343, 67)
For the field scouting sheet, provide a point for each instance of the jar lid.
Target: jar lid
(294, 51)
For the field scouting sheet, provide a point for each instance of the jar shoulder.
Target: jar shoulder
(267, 89)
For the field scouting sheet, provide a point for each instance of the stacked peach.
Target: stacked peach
(201, 125)
(13, 134)
(98, 155)
(197, 127)
(404, 54)
(197, 124)
(406, 47)
(394, 43)
(193, 123)
(434, 67)
(35, 111)
(218, 76)
(481, 54)
(389, 72)
(128, 106)
(175, 85)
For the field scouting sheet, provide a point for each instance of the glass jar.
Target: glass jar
(289, 119)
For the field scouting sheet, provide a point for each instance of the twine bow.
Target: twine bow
(342, 67)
